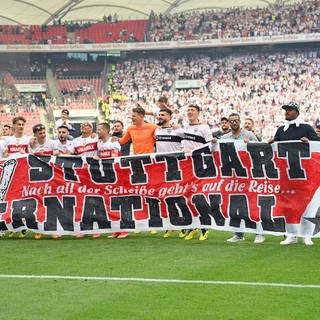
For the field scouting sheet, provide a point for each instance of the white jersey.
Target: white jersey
(106, 149)
(85, 146)
(168, 139)
(46, 148)
(196, 135)
(64, 148)
(16, 146)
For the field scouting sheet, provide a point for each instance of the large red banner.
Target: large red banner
(254, 187)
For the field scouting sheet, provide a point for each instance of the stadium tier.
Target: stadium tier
(194, 25)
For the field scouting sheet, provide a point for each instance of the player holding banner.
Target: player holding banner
(108, 149)
(15, 146)
(63, 145)
(40, 146)
(85, 145)
(168, 139)
(196, 134)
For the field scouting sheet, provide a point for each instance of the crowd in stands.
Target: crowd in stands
(255, 85)
(276, 19)
(252, 84)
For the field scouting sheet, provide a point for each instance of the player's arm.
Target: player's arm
(124, 139)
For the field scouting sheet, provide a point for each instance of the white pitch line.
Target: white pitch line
(209, 282)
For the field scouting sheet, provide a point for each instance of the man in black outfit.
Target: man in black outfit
(225, 128)
(295, 129)
(118, 132)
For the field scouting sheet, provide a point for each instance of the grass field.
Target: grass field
(152, 257)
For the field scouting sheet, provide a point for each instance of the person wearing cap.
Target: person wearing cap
(224, 128)
(318, 130)
(294, 129)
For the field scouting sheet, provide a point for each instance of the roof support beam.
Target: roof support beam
(111, 6)
(61, 12)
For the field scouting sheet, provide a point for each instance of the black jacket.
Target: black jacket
(296, 133)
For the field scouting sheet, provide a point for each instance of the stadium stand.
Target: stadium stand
(238, 81)
(246, 83)
(275, 19)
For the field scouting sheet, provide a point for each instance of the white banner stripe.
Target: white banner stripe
(209, 282)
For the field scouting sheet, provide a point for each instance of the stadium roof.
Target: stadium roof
(46, 11)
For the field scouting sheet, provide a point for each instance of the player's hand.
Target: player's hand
(32, 142)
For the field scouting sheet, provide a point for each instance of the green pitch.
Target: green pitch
(152, 257)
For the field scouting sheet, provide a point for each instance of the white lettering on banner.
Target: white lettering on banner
(245, 187)
(92, 146)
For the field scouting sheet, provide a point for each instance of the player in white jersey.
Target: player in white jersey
(196, 134)
(168, 139)
(108, 149)
(85, 145)
(17, 144)
(6, 133)
(14, 147)
(63, 145)
(39, 146)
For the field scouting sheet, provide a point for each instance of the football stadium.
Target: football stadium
(159, 159)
